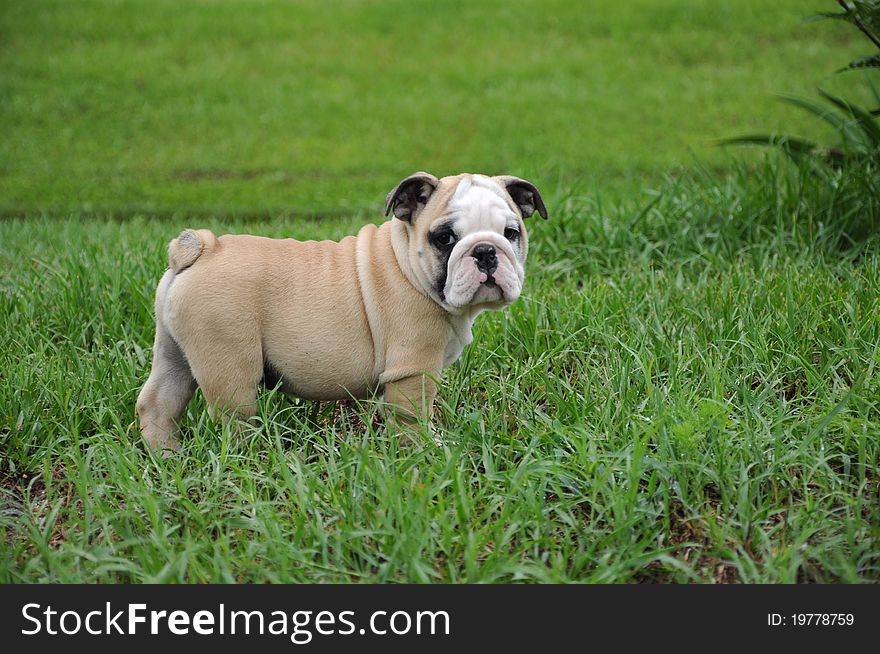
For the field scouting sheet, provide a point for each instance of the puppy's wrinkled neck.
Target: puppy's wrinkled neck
(401, 246)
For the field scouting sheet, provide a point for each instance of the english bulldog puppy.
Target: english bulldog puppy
(385, 310)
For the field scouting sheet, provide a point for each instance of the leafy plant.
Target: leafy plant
(858, 128)
(865, 15)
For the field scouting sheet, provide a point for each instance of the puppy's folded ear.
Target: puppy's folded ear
(411, 195)
(524, 195)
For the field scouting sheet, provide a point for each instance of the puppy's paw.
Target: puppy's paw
(441, 437)
(408, 432)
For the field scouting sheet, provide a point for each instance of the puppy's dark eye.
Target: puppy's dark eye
(444, 239)
(511, 233)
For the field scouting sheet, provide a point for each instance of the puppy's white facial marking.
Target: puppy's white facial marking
(481, 213)
(479, 204)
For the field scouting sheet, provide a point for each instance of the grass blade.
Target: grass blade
(865, 120)
(793, 147)
(838, 122)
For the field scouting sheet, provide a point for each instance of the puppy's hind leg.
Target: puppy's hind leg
(229, 380)
(228, 367)
(169, 388)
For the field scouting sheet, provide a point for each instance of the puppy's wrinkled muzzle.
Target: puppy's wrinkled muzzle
(484, 270)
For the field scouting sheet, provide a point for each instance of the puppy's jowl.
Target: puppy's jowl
(384, 310)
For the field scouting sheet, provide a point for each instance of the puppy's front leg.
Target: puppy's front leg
(410, 400)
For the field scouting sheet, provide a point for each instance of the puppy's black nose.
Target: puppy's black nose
(487, 260)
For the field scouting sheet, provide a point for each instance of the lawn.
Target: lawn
(317, 107)
(687, 391)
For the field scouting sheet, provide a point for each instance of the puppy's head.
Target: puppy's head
(465, 238)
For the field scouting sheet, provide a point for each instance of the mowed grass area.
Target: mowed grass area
(687, 391)
(316, 107)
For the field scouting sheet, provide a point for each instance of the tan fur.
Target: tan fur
(186, 248)
(334, 319)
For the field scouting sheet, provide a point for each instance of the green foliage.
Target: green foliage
(314, 107)
(857, 128)
(865, 16)
(687, 391)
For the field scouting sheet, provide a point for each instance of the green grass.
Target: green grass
(688, 392)
(232, 106)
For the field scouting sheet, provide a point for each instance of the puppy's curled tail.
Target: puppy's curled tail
(189, 246)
